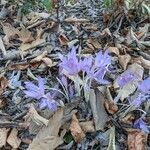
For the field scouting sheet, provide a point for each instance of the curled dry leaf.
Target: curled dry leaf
(39, 58)
(49, 62)
(130, 87)
(76, 130)
(97, 105)
(74, 19)
(88, 126)
(63, 39)
(3, 136)
(35, 43)
(13, 140)
(111, 107)
(36, 121)
(47, 138)
(114, 50)
(3, 84)
(124, 60)
(128, 119)
(137, 140)
(18, 66)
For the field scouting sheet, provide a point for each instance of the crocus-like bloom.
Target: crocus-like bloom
(125, 78)
(102, 60)
(86, 64)
(70, 63)
(140, 124)
(144, 87)
(38, 92)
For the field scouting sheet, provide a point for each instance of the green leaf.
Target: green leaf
(47, 4)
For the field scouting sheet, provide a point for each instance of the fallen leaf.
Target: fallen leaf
(39, 58)
(128, 119)
(114, 50)
(36, 121)
(63, 39)
(47, 138)
(2, 47)
(137, 140)
(130, 87)
(111, 107)
(35, 43)
(49, 62)
(10, 32)
(3, 84)
(87, 126)
(3, 136)
(124, 60)
(25, 36)
(97, 105)
(13, 140)
(76, 130)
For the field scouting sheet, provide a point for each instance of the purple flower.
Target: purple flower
(125, 78)
(86, 64)
(102, 60)
(145, 86)
(70, 63)
(140, 124)
(38, 92)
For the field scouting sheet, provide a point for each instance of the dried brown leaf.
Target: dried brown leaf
(47, 138)
(36, 121)
(88, 126)
(13, 140)
(3, 136)
(124, 60)
(3, 84)
(35, 43)
(63, 39)
(39, 58)
(74, 19)
(114, 50)
(97, 105)
(111, 107)
(137, 140)
(49, 62)
(76, 130)
(25, 36)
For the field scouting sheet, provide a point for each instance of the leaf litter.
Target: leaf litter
(74, 75)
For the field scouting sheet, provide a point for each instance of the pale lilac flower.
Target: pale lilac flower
(38, 92)
(86, 64)
(70, 63)
(144, 87)
(126, 78)
(142, 125)
(102, 60)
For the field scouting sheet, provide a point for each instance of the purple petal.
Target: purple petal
(32, 94)
(145, 86)
(31, 86)
(41, 85)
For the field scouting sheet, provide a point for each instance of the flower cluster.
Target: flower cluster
(93, 68)
(144, 89)
(82, 70)
(38, 92)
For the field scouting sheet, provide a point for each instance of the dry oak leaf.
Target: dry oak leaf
(49, 62)
(76, 130)
(3, 136)
(48, 138)
(3, 84)
(35, 43)
(114, 50)
(137, 140)
(63, 39)
(25, 36)
(13, 140)
(87, 126)
(10, 32)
